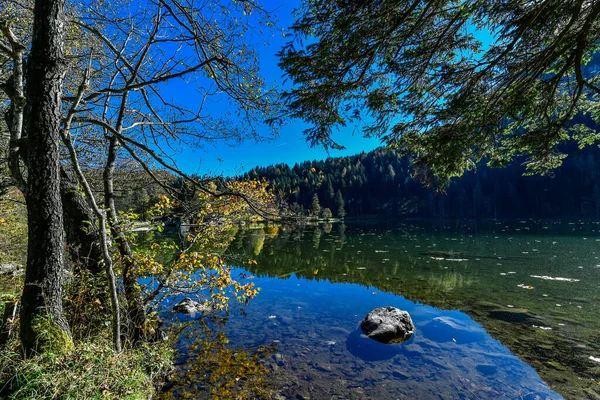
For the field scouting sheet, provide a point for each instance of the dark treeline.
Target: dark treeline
(382, 183)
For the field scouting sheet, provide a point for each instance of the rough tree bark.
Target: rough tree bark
(83, 238)
(83, 243)
(42, 293)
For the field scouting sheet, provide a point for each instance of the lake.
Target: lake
(492, 319)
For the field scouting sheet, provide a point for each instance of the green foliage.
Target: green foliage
(327, 213)
(90, 371)
(9, 295)
(430, 87)
(339, 205)
(365, 186)
(315, 207)
(86, 304)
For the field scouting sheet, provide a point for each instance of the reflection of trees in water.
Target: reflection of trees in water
(272, 231)
(330, 254)
(316, 237)
(417, 276)
(254, 241)
(341, 231)
(448, 281)
(210, 368)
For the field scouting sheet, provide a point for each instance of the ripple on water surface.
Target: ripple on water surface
(324, 354)
(317, 285)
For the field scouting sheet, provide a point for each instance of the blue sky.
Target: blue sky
(289, 147)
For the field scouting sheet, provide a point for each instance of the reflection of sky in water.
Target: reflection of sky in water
(323, 353)
(491, 271)
(488, 271)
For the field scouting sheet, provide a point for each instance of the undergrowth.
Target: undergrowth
(91, 371)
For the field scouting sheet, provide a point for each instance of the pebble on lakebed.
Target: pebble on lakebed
(388, 325)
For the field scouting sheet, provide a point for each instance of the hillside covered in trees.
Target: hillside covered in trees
(382, 183)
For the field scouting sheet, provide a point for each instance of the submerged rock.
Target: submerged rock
(388, 325)
(189, 306)
(511, 314)
(487, 369)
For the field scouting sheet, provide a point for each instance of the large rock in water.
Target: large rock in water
(388, 325)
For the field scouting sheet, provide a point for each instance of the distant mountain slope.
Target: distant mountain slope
(381, 183)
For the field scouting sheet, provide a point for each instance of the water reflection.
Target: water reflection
(209, 367)
(323, 354)
(483, 270)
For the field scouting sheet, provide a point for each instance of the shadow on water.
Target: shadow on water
(359, 345)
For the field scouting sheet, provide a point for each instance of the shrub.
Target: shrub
(91, 371)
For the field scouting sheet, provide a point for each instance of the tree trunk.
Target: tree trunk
(41, 302)
(101, 216)
(136, 312)
(83, 238)
(14, 89)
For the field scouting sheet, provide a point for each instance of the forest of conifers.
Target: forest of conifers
(382, 183)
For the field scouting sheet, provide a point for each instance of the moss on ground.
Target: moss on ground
(50, 338)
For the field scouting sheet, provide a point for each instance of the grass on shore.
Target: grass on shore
(92, 370)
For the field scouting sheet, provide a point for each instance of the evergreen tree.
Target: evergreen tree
(315, 207)
(339, 204)
(327, 213)
(329, 194)
(484, 192)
